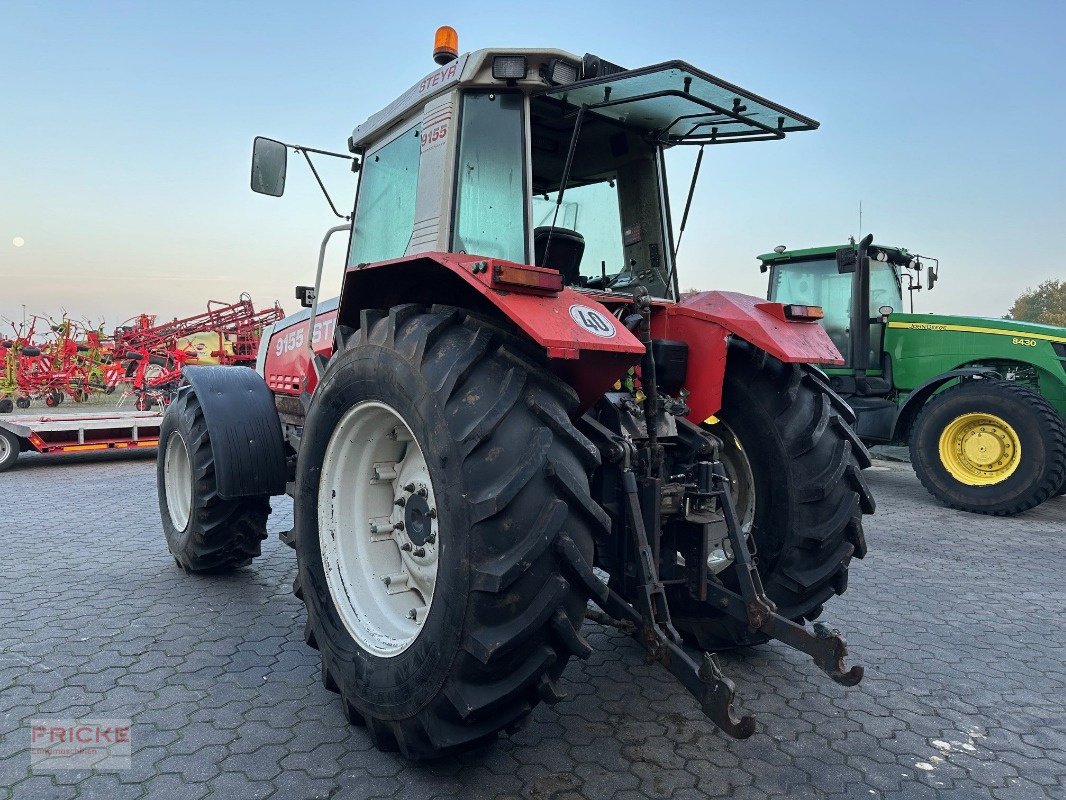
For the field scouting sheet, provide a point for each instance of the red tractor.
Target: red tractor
(507, 412)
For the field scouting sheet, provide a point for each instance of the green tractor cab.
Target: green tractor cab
(980, 402)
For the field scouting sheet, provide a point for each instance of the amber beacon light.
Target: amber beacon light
(445, 45)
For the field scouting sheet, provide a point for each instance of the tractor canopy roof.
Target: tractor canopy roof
(896, 255)
(673, 102)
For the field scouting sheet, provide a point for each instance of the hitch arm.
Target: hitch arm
(825, 646)
(704, 681)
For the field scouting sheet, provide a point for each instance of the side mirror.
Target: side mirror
(269, 159)
(847, 260)
(931, 277)
(306, 295)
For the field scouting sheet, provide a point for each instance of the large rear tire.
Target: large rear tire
(506, 477)
(809, 493)
(990, 447)
(205, 532)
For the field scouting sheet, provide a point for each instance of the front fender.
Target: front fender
(908, 410)
(584, 343)
(244, 429)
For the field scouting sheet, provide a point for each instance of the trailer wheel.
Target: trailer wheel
(10, 446)
(6, 405)
(442, 506)
(22, 402)
(990, 447)
(205, 532)
(784, 428)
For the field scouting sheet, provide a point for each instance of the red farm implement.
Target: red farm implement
(51, 361)
(68, 360)
(226, 333)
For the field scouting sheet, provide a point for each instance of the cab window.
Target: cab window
(610, 232)
(385, 207)
(591, 211)
(490, 199)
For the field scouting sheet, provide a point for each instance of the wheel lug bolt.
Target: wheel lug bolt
(419, 552)
(377, 529)
(400, 501)
(407, 547)
(431, 538)
(412, 614)
(410, 487)
(422, 491)
(433, 513)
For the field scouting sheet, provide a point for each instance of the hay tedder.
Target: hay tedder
(509, 413)
(50, 361)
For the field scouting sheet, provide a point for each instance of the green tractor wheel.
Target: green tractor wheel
(990, 447)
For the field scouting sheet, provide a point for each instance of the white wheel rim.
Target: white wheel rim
(377, 528)
(5, 449)
(177, 481)
(742, 488)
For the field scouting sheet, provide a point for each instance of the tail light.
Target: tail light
(805, 313)
(535, 279)
(792, 311)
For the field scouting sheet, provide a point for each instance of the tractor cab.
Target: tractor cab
(538, 157)
(849, 298)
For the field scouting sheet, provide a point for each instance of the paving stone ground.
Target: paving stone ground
(957, 618)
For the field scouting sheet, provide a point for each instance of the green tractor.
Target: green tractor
(980, 402)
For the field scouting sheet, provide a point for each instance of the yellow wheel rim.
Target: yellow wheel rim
(980, 449)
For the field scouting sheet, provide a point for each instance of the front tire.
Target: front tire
(204, 532)
(990, 447)
(508, 483)
(809, 493)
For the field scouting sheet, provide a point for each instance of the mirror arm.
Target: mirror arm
(304, 152)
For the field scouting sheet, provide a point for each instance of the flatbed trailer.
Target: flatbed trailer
(68, 433)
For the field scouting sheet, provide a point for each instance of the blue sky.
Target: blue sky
(126, 129)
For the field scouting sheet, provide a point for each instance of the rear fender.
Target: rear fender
(243, 427)
(585, 345)
(706, 320)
